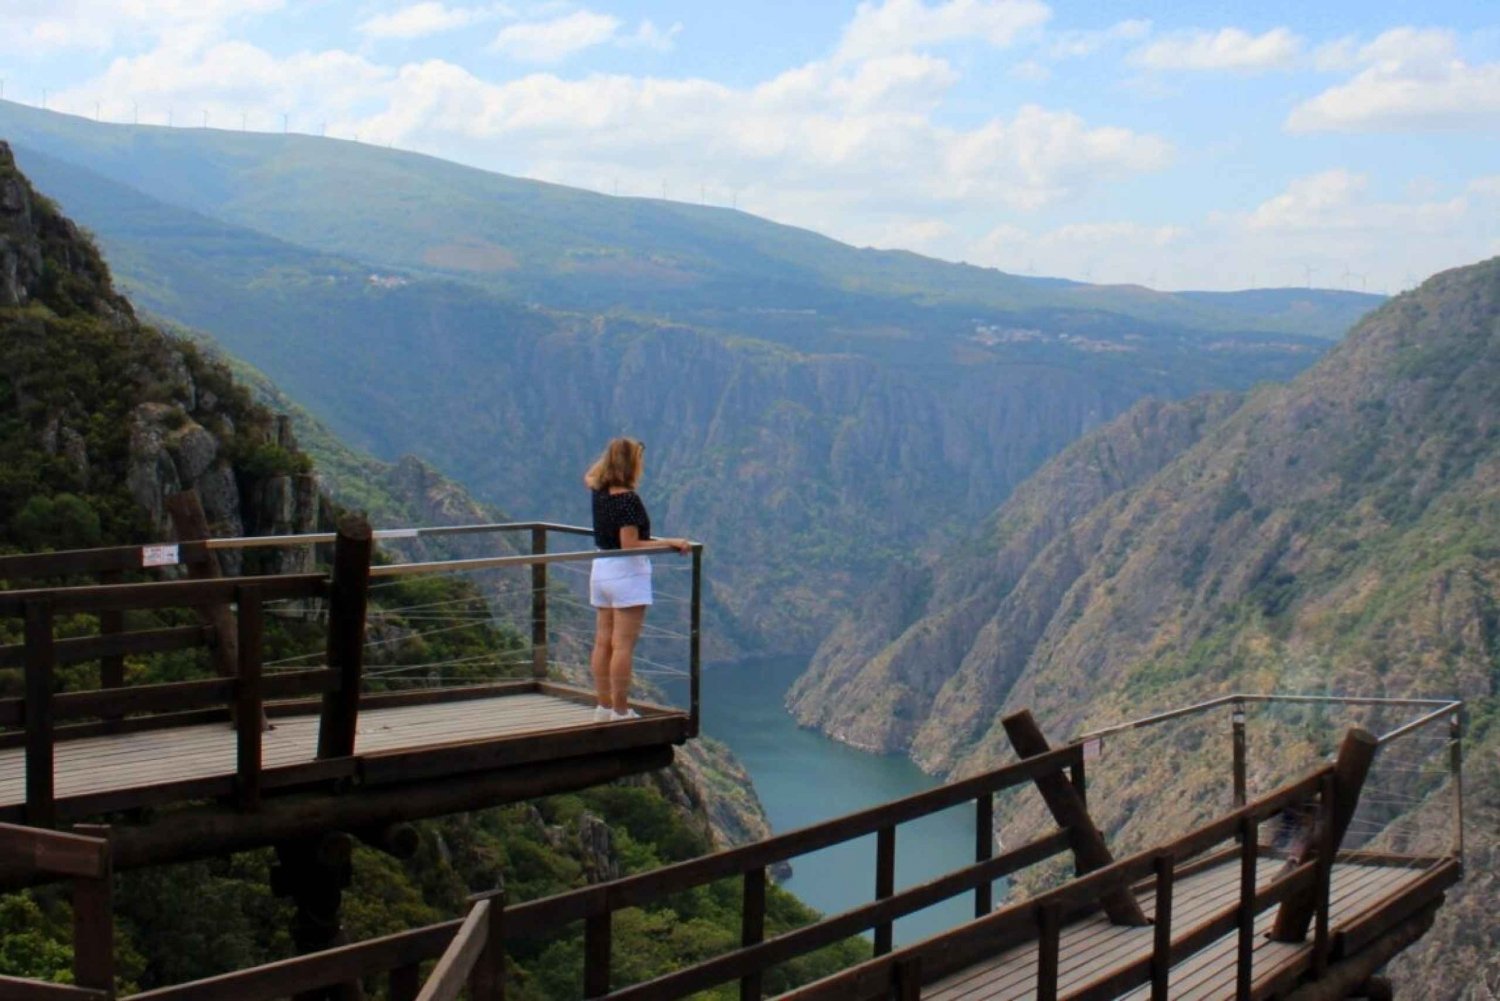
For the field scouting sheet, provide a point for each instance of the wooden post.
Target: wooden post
(1456, 777)
(94, 922)
(984, 849)
(1245, 914)
(41, 661)
(348, 594)
(753, 927)
(695, 621)
(1356, 754)
(1070, 813)
(1324, 888)
(313, 871)
(111, 623)
(1049, 946)
(539, 606)
(885, 882)
(906, 976)
(487, 981)
(1161, 945)
(191, 525)
(596, 949)
(1237, 728)
(247, 698)
(405, 983)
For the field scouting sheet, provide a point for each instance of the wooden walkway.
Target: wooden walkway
(1092, 950)
(457, 731)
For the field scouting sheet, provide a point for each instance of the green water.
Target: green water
(803, 777)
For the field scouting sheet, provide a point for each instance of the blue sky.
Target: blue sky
(1181, 145)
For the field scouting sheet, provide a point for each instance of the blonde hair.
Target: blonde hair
(618, 466)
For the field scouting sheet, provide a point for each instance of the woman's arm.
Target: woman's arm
(630, 538)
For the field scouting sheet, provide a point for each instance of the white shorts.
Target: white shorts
(620, 582)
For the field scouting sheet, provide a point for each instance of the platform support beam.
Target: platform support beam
(190, 524)
(1069, 811)
(1356, 754)
(314, 872)
(347, 600)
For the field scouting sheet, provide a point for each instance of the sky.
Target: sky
(1343, 143)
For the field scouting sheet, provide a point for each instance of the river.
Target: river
(803, 777)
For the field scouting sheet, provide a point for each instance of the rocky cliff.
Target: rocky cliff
(105, 416)
(1340, 534)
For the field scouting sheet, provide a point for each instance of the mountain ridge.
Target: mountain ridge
(567, 247)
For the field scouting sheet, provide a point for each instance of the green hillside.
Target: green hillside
(580, 250)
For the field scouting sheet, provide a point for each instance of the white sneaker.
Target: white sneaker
(627, 714)
(603, 714)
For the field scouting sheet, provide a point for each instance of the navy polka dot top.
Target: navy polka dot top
(614, 511)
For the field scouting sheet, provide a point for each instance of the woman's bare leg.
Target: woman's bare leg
(627, 630)
(604, 625)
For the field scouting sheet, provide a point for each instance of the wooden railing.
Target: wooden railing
(85, 860)
(1041, 918)
(242, 696)
(596, 905)
(44, 716)
(469, 952)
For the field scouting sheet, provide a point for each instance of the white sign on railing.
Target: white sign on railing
(159, 556)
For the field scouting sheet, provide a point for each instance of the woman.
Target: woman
(619, 586)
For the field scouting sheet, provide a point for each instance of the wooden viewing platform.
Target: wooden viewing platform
(335, 755)
(1220, 912)
(1275, 898)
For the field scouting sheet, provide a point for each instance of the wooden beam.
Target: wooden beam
(116, 645)
(56, 853)
(348, 595)
(248, 712)
(753, 927)
(1070, 813)
(94, 924)
(191, 525)
(457, 961)
(40, 765)
(205, 832)
(19, 989)
(1356, 754)
(539, 606)
(86, 562)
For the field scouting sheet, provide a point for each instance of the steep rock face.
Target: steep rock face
(936, 655)
(107, 416)
(1340, 534)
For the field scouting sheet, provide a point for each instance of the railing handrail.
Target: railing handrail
(539, 916)
(1442, 704)
(55, 853)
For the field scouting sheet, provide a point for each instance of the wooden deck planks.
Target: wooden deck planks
(1092, 949)
(101, 764)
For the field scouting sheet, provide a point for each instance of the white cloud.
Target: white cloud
(1225, 49)
(1412, 80)
(1336, 200)
(422, 19)
(1327, 229)
(27, 25)
(648, 36)
(903, 25)
(1031, 70)
(555, 40)
(1079, 44)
